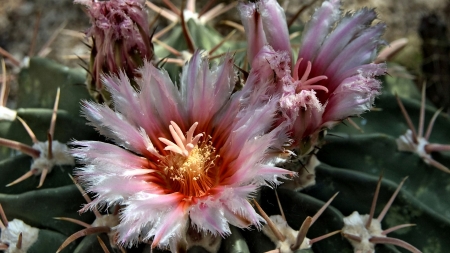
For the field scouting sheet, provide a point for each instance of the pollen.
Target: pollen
(189, 168)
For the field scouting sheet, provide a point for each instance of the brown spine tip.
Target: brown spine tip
(3, 218)
(302, 233)
(270, 223)
(394, 241)
(374, 202)
(19, 242)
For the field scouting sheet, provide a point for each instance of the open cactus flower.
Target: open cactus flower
(195, 166)
(416, 141)
(364, 232)
(46, 154)
(333, 77)
(286, 239)
(15, 235)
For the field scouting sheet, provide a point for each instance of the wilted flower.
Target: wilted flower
(121, 40)
(333, 77)
(188, 158)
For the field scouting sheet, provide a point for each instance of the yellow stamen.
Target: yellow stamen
(188, 166)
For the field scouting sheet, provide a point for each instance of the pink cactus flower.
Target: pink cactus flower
(333, 77)
(121, 35)
(187, 157)
(264, 23)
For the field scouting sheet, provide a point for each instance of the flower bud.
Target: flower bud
(121, 40)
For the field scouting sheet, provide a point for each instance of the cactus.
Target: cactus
(57, 188)
(304, 214)
(191, 30)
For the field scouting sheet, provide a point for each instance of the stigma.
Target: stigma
(307, 83)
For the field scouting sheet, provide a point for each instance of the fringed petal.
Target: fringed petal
(251, 19)
(237, 209)
(109, 158)
(250, 123)
(360, 51)
(318, 28)
(109, 190)
(275, 26)
(157, 217)
(354, 96)
(207, 216)
(347, 30)
(115, 126)
(205, 90)
(254, 155)
(124, 96)
(160, 102)
(224, 78)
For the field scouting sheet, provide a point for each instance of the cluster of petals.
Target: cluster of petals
(333, 77)
(118, 24)
(187, 157)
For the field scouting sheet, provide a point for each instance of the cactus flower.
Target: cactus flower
(121, 39)
(264, 23)
(333, 77)
(188, 157)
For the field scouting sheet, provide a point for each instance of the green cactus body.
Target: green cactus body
(205, 38)
(57, 196)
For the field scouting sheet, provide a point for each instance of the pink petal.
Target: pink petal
(207, 216)
(360, 51)
(275, 26)
(237, 208)
(113, 125)
(162, 216)
(160, 103)
(354, 96)
(346, 31)
(205, 90)
(253, 26)
(100, 152)
(318, 28)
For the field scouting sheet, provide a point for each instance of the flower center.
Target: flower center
(189, 166)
